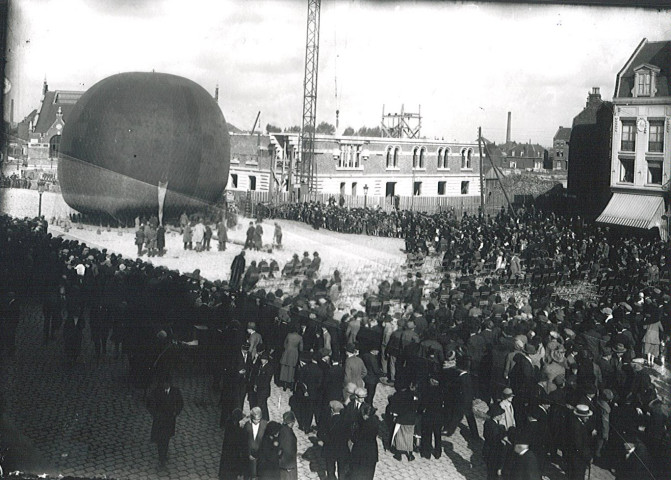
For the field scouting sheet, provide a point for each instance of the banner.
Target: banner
(162, 189)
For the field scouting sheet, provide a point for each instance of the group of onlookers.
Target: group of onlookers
(566, 383)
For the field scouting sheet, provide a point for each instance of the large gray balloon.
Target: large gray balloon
(133, 130)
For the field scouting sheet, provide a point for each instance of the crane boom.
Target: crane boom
(307, 168)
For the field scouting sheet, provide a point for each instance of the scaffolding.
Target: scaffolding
(402, 125)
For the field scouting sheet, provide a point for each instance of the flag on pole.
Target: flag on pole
(162, 189)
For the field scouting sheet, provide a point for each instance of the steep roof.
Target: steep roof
(563, 133)
(524, 150)
(657, 54)
(64, 99)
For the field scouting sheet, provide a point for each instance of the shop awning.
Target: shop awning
(637, 211)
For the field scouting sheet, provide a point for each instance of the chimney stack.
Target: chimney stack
(508, 129)
(594, 97)
(216, 93)
(11, 113)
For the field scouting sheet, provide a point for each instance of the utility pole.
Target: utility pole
(482, 188)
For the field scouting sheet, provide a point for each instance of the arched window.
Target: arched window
(415, 157)
(389, 157)
(466, 158)
(440, 156)
(54, 145)
(422, 154)
(397, 153)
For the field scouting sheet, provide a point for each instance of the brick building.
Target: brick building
(45, 127)
(524, 156)
(641, 150)
(560, 148)
(589, 156)
(348, 165)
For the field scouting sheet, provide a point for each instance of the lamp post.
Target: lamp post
(365, 195)
(40, 190)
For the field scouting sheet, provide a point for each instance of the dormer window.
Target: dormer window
(645, 77)
(644, 84)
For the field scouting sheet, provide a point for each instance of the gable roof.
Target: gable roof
(529, 150)
(563, 133)
(657, 54)
(65, 99)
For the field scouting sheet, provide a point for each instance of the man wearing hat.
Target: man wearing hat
(288, 448)
(165, 404)
(335, 450)
(355, 370)
(524, 464)
(312, 378)
(579, 446)
(242, 370)
(254, 339)
(495, 448)
(262, 373)
(523, 383)
(603, 408)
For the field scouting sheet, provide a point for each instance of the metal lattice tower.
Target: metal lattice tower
(307, 168)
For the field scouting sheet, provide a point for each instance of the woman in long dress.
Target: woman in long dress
(293, 345)
(651, 340)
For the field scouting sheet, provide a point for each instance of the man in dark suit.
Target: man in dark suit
(579, 442)
(523, 382)
(237, 270)
(254, 430)
(524, 465)
(165, 404)
(262, 373)
(73, 329)
(460, 396)
(431, 408)
(240, 376)
(313, 379)
(288, 448)
(374, 372)
(333, 381)
(335, 450)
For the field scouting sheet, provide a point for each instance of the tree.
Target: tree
(270, 128)
(348, 132)
(369, 132)
(325, 128)
(294, 129)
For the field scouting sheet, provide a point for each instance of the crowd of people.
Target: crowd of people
(14, 181)
(567, 384)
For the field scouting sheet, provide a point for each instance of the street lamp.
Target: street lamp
(40, 190)
(365, 195)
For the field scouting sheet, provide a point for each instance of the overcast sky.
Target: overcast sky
(466, 64)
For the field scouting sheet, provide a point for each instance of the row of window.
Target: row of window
(251, 184)
(390, 188)
(654, 176)
(419, 157)
(655, 136)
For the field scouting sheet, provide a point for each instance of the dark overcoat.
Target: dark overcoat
(164, 409)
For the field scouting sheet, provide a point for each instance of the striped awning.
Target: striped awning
(637, 211)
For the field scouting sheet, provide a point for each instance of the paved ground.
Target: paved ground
(87, 421)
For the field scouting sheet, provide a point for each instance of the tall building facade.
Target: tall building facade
(355, 166)
(641, 149)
